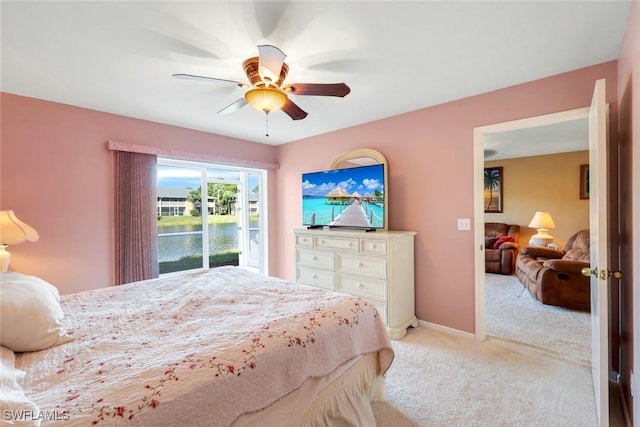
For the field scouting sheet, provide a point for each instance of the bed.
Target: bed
(209, 348)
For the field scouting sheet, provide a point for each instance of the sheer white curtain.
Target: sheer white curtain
(136, 217)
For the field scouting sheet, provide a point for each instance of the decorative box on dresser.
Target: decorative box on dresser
(376, 266)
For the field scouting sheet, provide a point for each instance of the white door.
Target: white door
(598, 222)
(243, 225)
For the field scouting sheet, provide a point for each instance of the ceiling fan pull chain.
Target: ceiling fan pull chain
(266, 124)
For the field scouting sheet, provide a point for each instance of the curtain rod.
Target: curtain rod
(188, 155)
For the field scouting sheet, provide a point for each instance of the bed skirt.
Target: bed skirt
(342, 397)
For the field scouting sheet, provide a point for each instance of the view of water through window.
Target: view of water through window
(222, 238)
(230, 200)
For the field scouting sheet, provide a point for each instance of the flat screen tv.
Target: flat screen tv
(351, 197)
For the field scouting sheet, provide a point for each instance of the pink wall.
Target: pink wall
(56, 175)
(55, 172)
(430, 155)
(629, 110)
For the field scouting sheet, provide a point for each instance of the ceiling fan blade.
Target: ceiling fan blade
(293, 111)
(207, 79)
(270, 62)
(235, 106)
(318, 89)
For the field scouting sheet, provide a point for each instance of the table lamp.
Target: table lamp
(12, 232)
(542, 221)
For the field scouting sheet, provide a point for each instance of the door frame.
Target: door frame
(478, 203)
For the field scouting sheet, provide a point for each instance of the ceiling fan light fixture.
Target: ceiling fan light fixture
(266, 99)
(266, 90)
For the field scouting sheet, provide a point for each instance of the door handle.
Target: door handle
(615, 274)
(604, 274)
(589, 271)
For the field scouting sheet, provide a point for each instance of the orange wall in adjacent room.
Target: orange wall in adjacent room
(543, 183)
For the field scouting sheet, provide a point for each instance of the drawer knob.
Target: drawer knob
(315, 258)
(360, 264)
(360, 285)
(315, 276)
(373, 245)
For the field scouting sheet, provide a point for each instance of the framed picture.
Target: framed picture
(493, 184)
(584, 181)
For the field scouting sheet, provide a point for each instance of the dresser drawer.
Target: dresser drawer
(304, 240)
(343, 243)
(361, 265)
(373, 247)
(315, 277)
(376, 267)
(317, 259)
(362, 287)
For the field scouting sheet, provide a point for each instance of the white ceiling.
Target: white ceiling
(396, 56)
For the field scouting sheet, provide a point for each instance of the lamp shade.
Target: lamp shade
(266, 99)
(542, 220)
(14, 231)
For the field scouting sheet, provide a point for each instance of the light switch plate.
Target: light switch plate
(464, 224)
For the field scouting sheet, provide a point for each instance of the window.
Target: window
(228, 228)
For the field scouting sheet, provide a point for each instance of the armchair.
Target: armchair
(554, 277)
(501, 242)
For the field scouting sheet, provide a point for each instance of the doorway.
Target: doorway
(480, 135)
(541, 169)
(599, 150)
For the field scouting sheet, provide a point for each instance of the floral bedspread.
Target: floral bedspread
(195, 349)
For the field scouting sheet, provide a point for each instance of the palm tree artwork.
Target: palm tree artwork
(492, 184)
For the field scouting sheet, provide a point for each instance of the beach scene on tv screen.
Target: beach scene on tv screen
(344, 197)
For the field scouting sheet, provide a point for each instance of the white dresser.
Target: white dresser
(377, 266)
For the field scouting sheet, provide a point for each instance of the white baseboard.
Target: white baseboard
(446, 329)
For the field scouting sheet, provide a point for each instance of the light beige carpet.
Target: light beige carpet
(513, 314)
(444, 379)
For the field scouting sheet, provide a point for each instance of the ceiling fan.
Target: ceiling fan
(266, 74)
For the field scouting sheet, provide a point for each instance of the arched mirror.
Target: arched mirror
(366, 157)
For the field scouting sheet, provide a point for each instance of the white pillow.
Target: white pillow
(30, 313)
(15, 407)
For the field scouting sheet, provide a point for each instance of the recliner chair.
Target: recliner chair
(501, 247)
(555, 277)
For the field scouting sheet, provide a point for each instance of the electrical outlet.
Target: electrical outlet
(464, 224)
